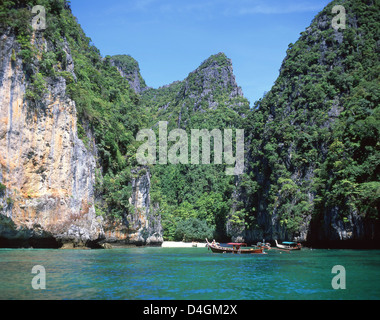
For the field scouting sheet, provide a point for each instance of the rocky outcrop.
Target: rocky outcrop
(130, 70)
(299, 194)
(213, 76)
(143, 225)
(209, 87)
(48, 172)
(330, 230)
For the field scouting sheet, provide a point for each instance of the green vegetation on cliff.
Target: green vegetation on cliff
(130, 69)
(106, 106)
(315, 135)
(208, 98)
(312, 143)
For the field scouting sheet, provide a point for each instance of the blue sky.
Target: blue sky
(171, 38)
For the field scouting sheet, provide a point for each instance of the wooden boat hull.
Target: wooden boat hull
(217, 249)
(288, 248)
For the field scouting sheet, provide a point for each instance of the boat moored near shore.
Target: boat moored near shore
(288, 245)
(234, 248)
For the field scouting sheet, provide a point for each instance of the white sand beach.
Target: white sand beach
(174, 244)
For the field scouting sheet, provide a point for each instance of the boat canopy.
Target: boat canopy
(288, 242)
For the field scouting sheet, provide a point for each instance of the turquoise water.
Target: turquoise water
(188, 274)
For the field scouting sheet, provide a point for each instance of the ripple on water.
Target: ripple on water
(160, 273)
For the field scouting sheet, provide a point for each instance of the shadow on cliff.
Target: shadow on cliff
(21, 237)
(16, 237)
(327, 230)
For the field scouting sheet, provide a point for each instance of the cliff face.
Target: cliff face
(130, 70)
(213, 77)
(315, 175)
(208, 98)
(211, 86)
(47, 171)
(143, 226)
(68, 118)
(49, 155)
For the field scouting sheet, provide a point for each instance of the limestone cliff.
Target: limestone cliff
(130, 70)
(69, 118)
(208, 98)
(48, 159)
(213, 76)
(209, 87)
(313, 170)
(143, 227)
(47, 171)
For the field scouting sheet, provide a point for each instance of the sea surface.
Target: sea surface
(189, 274)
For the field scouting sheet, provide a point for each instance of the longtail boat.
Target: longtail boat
(235, 249)
(288, 246)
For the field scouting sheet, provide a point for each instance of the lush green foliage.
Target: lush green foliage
(130, 67)
(106, 105)
(188, 192)
(2, 188)
(315, 138)
(193, 230)
(112, 111)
